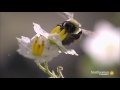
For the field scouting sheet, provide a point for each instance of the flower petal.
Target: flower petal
(39, 30)
(103, 47)
(25, 47)
(25, 39)
(49, 53)
(55, 39)
(72, 52)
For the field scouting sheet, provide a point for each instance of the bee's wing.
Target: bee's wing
(65, 15)
(87, 32)
(69, 14)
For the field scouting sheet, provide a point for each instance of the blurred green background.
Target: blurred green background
(17, 24)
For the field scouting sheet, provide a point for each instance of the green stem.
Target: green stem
(59, 69)
(46, 70)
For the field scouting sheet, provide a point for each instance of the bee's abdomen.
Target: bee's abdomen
(71, 38)
(68, 41)
(77, 36)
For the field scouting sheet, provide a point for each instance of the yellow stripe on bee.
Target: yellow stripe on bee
(62, 33)
(36, 48)
(55, 30)
(64, 36)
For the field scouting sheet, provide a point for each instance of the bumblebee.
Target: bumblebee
(70, 30)
(71, 26)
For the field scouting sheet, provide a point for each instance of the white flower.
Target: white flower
(43, 46)
(104, 46)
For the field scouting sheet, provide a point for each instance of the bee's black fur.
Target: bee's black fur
(71, 38)
(70, 28)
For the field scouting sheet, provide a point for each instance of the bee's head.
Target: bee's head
(72, 25)
(69, 27)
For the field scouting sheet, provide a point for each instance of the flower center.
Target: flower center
(62, 33)
(37, 49)
(110, 48)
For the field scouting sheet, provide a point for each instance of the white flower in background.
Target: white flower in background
(104, 46)
(43, 46)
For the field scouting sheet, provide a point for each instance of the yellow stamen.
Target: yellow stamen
(35, 45)
(55, 30)
(62, 33)
(40, 48)
(64, 36)
(36, 48)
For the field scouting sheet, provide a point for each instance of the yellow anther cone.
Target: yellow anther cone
(40, 48)
(62, 33)
(64, 36)
(55, 30)
(35, 45)
(36, 48)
